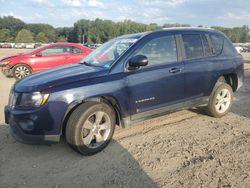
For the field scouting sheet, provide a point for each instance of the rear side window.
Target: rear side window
(217, 44)
(193, 46)
(160, 50)
(207, 50)
(76, 50)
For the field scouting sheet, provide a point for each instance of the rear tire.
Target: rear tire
(20, 71)
(90, 127)
(220, 100)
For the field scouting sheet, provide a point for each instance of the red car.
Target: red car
(43, 58)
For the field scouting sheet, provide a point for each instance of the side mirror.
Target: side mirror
(39, 54)
(138, 61)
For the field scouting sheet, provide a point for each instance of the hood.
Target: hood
(58, 76)
(13, 56)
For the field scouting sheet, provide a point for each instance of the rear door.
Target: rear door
(160, 84)
(199, 65)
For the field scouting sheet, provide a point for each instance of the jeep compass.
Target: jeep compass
(126, 80)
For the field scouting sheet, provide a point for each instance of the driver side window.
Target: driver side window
(56, 50)
(160, 50)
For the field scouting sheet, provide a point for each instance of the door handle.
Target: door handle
(175, 70)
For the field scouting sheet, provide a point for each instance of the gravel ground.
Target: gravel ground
(182, 149)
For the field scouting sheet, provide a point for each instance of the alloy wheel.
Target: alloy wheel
(96, 129)
(223, 100)
(22, 71)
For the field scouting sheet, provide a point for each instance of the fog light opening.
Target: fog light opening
(27, 125)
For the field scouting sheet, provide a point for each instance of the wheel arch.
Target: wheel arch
(21, 63)
(231, 79)
(111, 101)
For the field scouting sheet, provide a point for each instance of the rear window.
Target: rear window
(77, 50)
(193, 46)
(217, 44)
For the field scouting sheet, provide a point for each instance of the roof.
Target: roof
(65, 43)
(139, 35)
(189, 28)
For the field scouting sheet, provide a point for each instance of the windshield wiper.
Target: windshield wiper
(90, 64)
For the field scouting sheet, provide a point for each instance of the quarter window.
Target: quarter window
(217, 43)
(160, 50)
(193, 46)
(228, 48)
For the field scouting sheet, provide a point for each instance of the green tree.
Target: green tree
(236, 34)
(61, 39)
(5, 35)
(14, 25)
(24, 36)
(41, 37)
(49, 30)
(98, 40)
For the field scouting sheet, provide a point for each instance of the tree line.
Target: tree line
(90, 31)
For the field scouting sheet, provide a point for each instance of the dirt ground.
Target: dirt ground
(182, 149)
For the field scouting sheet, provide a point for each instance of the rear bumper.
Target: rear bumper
(241, 77)
(20, 136)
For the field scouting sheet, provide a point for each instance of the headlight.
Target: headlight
(35, 99)
(4, 63)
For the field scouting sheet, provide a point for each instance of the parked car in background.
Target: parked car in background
(19, 45)
(126, 80)
(29, 46)
(36, 45)
(248, 48)
(92, 45)
(239, 49)
(43, 58)
(6, 45)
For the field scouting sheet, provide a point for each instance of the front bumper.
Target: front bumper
(6, 71)
(21, 136)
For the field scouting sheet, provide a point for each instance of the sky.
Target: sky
(59, 13)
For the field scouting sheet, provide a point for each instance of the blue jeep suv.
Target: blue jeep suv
(128, 79)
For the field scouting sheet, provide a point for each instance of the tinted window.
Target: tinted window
(217, 43)
(193, 46)
(57, 50)
(207, 51)
(76, 50)
(228, 48)
(160, 50)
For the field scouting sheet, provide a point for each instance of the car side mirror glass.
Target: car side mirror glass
(39, 54)
(137, 61)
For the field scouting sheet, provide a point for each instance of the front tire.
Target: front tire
(220, 101)
(20, 71)
(90, 127)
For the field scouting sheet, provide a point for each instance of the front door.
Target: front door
(160, 84)
(52, 57)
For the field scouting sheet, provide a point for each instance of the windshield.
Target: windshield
(33, 50)
(105, 55)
